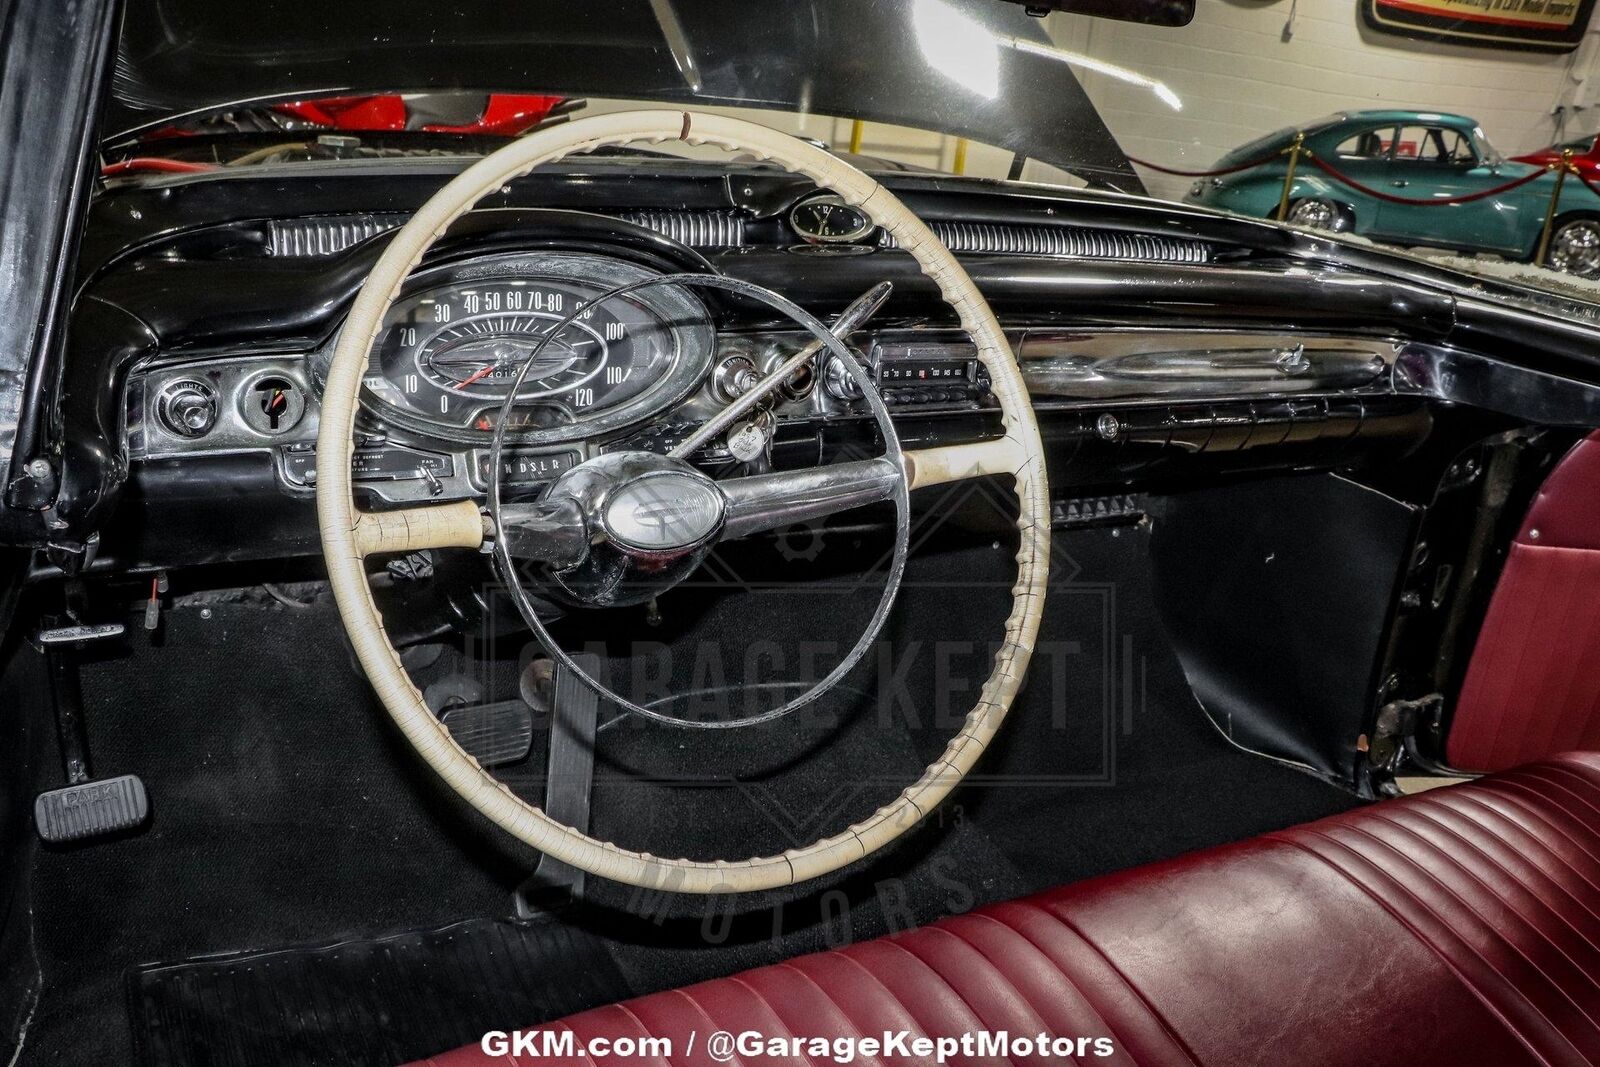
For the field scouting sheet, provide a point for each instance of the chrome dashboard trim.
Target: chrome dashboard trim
(1458, 377)
(697, 229)
(321, 236)
(1163, 364)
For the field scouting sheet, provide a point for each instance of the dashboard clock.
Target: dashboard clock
(830, 220)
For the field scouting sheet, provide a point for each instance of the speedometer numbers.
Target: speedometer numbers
(479, 358)
(450, 354)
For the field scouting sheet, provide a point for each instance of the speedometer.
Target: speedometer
(453, 345)
(482, 356)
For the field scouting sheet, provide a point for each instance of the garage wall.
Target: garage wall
(1238, 78)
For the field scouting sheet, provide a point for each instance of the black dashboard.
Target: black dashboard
(1157, 340)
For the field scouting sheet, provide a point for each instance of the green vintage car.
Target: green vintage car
(1418, 156)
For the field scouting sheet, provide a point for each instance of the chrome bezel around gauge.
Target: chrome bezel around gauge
(230, 380)
(670, 323)
(860, 226)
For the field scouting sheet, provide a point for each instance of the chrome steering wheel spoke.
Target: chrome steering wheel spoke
(613, 501)
(622, 527)
(763, 502)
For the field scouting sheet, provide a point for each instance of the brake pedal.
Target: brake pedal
(493, 734)
(78, 632)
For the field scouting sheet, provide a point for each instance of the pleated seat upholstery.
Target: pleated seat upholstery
(1532, 688)
(1457, 926)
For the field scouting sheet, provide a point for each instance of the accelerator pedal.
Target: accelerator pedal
(493, 734)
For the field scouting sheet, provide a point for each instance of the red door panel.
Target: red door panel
(1533, 685)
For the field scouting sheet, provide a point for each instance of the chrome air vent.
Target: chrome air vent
(1076, 241)
(328, 235)
(697, 229)
(325, 235)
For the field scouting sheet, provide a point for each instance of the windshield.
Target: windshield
(985, 71)
(1486, 151)
(1338, 118)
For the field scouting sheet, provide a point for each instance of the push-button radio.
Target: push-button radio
(928, 373)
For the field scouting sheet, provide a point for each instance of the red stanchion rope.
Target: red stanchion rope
(1206, 173)
(1465, 198)
(1578, 174)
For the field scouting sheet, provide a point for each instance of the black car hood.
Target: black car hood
(846, 58)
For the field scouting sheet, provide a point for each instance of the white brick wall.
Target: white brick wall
(1238, 78)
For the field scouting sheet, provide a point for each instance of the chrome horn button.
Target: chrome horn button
(650, 521)
(663, 511)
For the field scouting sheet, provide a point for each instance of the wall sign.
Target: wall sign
(1537, 25)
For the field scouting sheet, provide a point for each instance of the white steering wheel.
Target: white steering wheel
(349, 535)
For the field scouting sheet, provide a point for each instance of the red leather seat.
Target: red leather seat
(1533, 686)
(1458, 926)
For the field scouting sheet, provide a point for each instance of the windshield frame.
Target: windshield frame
(1488, 154)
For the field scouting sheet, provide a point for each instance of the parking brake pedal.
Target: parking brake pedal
(86, 806)
(91, 809)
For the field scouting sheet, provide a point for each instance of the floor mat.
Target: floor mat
(381, 1001)
(291, 813)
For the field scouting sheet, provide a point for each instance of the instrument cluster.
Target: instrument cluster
(455, 341)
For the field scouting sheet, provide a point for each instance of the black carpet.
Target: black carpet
(366, 1001)
(288, 811)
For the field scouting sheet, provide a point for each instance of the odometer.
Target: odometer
(452, 347)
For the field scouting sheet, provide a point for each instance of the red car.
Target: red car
(458, 113)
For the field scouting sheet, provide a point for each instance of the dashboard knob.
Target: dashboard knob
(837, 381)
(187, 408)
(734, 377)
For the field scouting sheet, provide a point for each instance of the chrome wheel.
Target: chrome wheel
(1575, 248)
(1315, 214)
